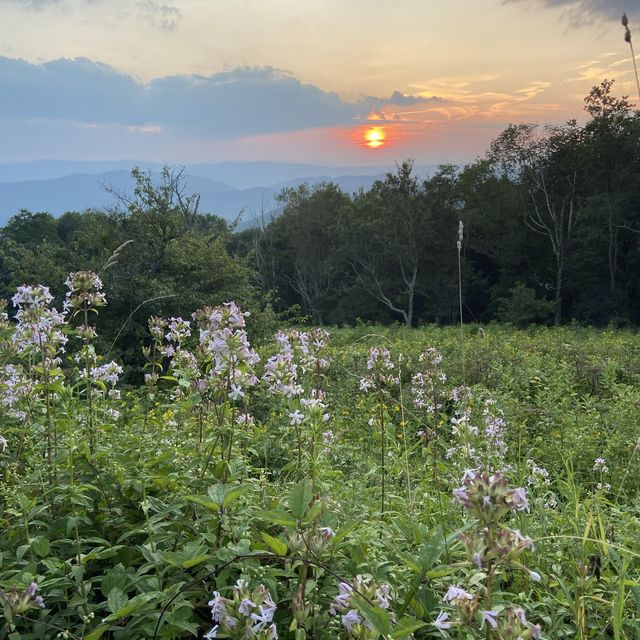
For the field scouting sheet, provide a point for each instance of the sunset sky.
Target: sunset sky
(305, 80)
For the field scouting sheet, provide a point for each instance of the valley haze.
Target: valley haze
(226, 189)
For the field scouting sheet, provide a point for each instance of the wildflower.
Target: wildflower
(217, 606)
(469, 474)
(246, 419)
(442, 621)
(517, 500)
(383, 596)
(328, 437)
(341, 601)
(245, 607)
(456, 594)
(236, 392)
(490, 617)
(157, 327)
(296, 417)
(107, 373)
(84, 291)
(179, 329)
(538, 475)
(600, 464)
(350, 619)
(264, 617)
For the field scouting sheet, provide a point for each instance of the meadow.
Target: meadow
(364, 482)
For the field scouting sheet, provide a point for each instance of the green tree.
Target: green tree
(300, 251)
(547, 165)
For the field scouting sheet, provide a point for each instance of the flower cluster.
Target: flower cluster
(179, 330)
(247, 614)
(108, 373)
(600, 465)
(345, 605)
(281, 376)
(426, 385)
(17, 391)
(221, 366)
(511, 624)
(224, 343)
(38, 325)
(85, 292)
(314, 405)
(491, 548)
(16, 602)
(307, 347)
(379, 368)
(488, 497)
(313, 539)
(494, 428)
(537, 475)
(479, 428)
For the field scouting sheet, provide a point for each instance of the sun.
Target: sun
(374, 137)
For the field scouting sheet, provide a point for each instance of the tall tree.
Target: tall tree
(613, 164)
(301, 247)
(547, 165)
(384, 241)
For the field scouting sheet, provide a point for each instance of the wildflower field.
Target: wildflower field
(350, 483)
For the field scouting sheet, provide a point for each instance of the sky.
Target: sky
(332, 81)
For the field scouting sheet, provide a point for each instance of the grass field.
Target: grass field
(351, 483)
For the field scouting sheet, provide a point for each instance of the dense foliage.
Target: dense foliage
(361, 484)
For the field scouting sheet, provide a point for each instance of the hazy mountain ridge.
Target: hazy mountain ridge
(226, 189)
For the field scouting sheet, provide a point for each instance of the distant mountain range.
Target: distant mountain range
(227, 189)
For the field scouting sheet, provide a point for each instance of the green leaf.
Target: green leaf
(406, 626)
(430, 552)
(192, 562)
(313, 512)
(217, 492)
(411, 562)
(117, 599)
(299, 498)
(234, 494)
(343, 532)
(40, 546)
(131, 607)
(277, 546)
(278, 517)
(97, 633)
(116, 577)
(378, 618)
(214, 506)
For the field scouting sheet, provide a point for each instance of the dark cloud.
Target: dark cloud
(243, 101)
(587, 11)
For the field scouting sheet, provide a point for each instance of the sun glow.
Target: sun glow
(374, 137)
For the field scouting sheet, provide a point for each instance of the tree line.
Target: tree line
(551, 219)
(550, 233)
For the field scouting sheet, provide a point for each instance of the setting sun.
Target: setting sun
(374, 137)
